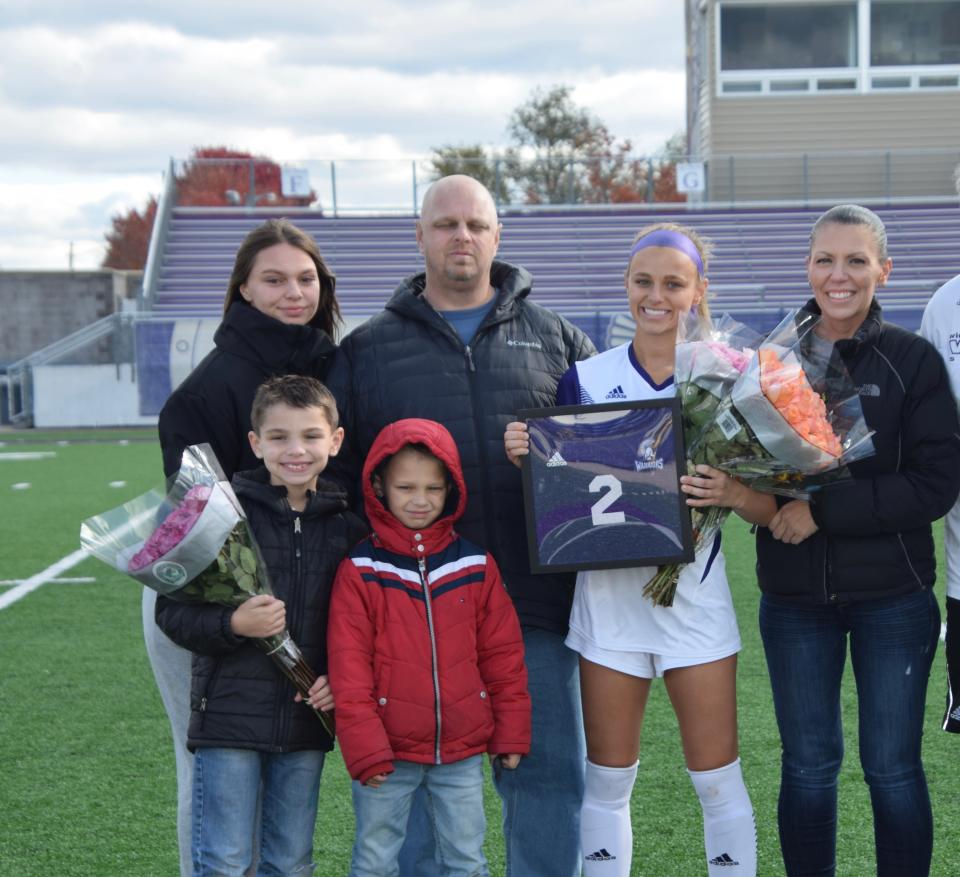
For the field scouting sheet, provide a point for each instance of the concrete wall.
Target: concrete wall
(106, 394)
(86, 395)
(40, 307)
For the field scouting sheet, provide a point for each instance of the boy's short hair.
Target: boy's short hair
(421, 449)
(297, 391)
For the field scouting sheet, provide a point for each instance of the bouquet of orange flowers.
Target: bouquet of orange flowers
(792, 420)
(789, 422)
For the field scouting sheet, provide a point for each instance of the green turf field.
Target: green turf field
(87, 781)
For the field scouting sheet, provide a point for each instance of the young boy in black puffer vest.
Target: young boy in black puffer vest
(253, 737)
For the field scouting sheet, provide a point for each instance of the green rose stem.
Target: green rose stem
(233, 578)
(662, 588)
(288, 657)
(708, 443)
(716, 434)
(699, 407)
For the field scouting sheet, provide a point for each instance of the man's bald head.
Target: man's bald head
(458, 187)
(458, 233)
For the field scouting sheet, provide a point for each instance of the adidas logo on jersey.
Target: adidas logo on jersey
(616, 393)
(556, 460)
(724, 861)
(600, 855)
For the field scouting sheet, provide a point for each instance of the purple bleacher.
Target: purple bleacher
(577, 257)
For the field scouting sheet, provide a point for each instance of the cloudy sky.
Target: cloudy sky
(97, 96)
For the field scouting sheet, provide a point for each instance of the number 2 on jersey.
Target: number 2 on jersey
(598, 511)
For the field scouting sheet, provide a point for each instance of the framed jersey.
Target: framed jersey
(601, 486)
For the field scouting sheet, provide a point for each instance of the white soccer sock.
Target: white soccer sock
(606, 834)
(729, 831)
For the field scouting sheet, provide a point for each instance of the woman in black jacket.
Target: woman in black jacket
(280, 315)
(855, 565)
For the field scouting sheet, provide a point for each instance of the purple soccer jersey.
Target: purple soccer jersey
(602, 487)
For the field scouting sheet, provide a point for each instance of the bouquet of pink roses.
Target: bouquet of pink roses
(709, 360)
(190, 541)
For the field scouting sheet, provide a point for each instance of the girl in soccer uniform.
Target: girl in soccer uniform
(623, 639)
(941, 327)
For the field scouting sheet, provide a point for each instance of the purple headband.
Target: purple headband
(664, 237)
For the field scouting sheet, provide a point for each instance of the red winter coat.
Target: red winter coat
(430, 675)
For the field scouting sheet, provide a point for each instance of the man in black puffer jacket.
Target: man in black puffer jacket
(462, 344)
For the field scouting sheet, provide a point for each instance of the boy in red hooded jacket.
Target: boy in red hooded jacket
(425, 655)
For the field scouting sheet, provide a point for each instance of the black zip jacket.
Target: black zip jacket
(238, 697)
(408, 361)
(874, 538)
(213, 403)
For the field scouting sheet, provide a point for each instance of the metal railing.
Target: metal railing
(367, 186)
(361, 186)
(18, 380)
(879, 176)
(158, 240)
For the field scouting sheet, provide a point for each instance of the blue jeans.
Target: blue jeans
(226, 786)
(541, 798)
(892, 644)
(453, 794)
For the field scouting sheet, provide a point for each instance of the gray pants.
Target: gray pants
(171, 669)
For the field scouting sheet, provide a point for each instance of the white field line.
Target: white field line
(41, 578)
(80, 580)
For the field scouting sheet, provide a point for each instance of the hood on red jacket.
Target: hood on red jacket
(436, 438)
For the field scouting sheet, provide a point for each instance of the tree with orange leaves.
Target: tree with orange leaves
(129, 238)
(205, 180)
(213, 171)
